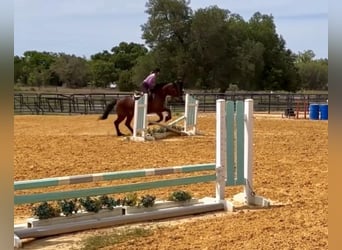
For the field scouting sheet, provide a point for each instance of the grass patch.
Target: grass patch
(110, 239)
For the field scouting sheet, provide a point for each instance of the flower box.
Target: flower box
(160, 205)
(80, 216)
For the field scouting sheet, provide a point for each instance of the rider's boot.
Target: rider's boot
(137, 95)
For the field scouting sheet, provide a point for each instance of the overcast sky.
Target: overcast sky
(86, 27)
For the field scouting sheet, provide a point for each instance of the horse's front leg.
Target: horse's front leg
(168, 117)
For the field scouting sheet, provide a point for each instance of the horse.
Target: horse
(125, 106)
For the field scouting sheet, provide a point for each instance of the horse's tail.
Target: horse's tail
(108, 109)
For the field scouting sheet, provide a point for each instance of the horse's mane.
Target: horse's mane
(159, 86)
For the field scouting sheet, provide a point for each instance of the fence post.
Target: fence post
(140, 118)
(248, 150)
(220, 149)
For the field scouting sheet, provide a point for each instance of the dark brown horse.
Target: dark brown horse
(125, 106)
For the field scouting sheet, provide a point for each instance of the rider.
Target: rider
(149, 82)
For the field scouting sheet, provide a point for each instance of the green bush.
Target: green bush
(91, 204)
(68, 207)
(130, 200)
(147, 200)
(46, 210)
(108, 202)
(180, 196)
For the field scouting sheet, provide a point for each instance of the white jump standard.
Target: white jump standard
(234, 151)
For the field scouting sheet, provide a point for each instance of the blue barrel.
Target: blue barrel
(314, 111)
(323, 108)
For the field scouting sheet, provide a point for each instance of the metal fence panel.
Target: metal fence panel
(49, 103)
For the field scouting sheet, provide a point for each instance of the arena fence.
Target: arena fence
(95, 103)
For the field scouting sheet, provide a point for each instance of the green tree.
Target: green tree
(313, 73)
(250, 64)
(73, 71)
(35, 68)
(18, 70)
(167, 35)
(103, 73)
(104, 56)
(125, 81)
(221, 51)
(305, 57)
(279, 71)
(126, 54)
(125, 58)
(210, 47)
(168, 23)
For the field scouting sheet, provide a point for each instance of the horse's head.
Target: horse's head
(179, 85)
(173, 89)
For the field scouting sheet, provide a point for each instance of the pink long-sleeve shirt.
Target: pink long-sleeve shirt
(150, 79)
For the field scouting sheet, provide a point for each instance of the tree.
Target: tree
(104, 55)
(313, 73)
(125, 81)
(305, 57)
(210, 46)
(18, 70)
(126, 54)
(73, 71)
(279, 71)
(168, 22)
(221, 50)
(250, 64)
(35, 68)
(103, 72)
(167, 35)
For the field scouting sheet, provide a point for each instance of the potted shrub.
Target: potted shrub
(69, 207)
(74, 210)
(91, 204)
(180, 196)
(130, 200)
(147, 201)
(133, 204)
(45, 210)
(108, 202)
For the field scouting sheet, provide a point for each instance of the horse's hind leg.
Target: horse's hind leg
(168, 117)
(117, 123)
(161, 116)
(128, 123)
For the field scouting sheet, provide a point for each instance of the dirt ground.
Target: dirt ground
(290, 168)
